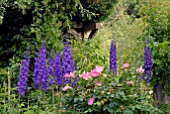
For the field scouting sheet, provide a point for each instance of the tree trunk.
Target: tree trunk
(160, 97)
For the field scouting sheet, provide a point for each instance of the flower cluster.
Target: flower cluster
(67, 87)
(140, 70)
(57, 70)
(40, 76)
(125, 66)
(91, 101)
(50, 70)
(113, 59)
(147, 64)
(23, 75)
(71, 75)
(93, 74)
(67, 61)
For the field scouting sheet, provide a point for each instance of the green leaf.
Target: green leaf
(110, 110)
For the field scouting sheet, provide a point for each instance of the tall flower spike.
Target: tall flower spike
(23, 75)
(113, 59)
(147, 63)
(57, 70)
(50, 70)
(67, 61)
(40, 76)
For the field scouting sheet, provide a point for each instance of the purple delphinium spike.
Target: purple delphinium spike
(57, 70)
(67, 62)
(50, 70)
(113, 59)
(147, 64)
(50, 66)
(23, 75)
(40, 76)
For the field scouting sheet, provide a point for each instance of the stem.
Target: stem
(53, 96)
(58, 101)
(39, 100)
(28, 102)
(19, 103)
(9, 85)
(4, 97)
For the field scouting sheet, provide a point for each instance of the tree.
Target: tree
(156, 14)
(33, 21)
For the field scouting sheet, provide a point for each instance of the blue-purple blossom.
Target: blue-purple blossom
(67, 61)
(50, 70)
(40, 76)
(147, 64)
(23, 75)
(57, 70)
(50, 66)
(51, 81)
(113, 59)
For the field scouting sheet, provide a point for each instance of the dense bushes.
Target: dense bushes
(33, 21)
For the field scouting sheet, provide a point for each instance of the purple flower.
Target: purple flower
(67, 62)
(40, 76)
(51, 81)
(57, 70)
(23, 75)
(50, 66)
(147, 64)
(113, 59)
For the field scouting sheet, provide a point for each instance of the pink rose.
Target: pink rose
(94, 73)
(67, 87)
(140, 70)
(66, 75)
(99, 69)
(129, 82)
(91, 101)
(84, 76)
(98, 83)
(72, 75)
(126, 65)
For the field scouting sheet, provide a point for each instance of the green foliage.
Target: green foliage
(96, 10)
(161, 61)
(32, 22)
(157, 17)
(85, 54)
(112, 97)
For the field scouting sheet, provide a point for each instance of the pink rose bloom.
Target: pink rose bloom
(129, 82)
(94, 73)
(72, 75)
(67, 87)
(98, 83)
(81, 75)
(99, 69)
(91, 101)
(140, 70)
(89, 76)
(84, 76)
(66, 75)
(126, 65)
